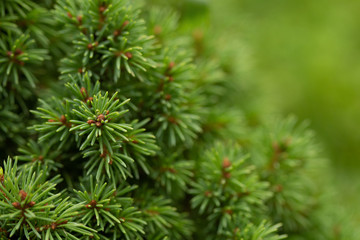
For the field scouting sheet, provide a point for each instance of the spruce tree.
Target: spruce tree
(121, 126)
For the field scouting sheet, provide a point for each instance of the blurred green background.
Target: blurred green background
(298, 57)
(305, 55)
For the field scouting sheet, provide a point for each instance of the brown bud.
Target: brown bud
(107, 112)
(31, 204)
(102, 9)
(126, 22)
(208, 193)
(98, 124)
(226, 163)
(90, 99)
(83, 91)
(116, 33)
(93, 203)
(22, 194)
(79, 18)
(18, 52)
(128, 55)
(90, 121)
(51, 120)
(101, 117)
(157, 29)
(16, 205)
(227, 175)
(9, 53)
(90, 46)
(167, 97)
(63, 119)
(171, 65)
(41, 158)
(170, 78)
(53, 226)
(69, 14)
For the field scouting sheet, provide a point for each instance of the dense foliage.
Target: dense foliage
(120, 125)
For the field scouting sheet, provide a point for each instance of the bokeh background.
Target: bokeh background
(305, 57)
(298, 57)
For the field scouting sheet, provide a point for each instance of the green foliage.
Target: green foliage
(163, 220)
(29, 208)
(286, 168)
(227, 189)
(104, 207)
(108, 37)
(140, 138)
(96, 123)
(43, 154)
(17, 58)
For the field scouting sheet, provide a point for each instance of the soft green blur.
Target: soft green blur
(304, 55)
(306, 58)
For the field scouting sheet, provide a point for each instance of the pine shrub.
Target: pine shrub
(120, 125)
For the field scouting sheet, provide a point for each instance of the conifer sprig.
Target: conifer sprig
(43, 154)
(105, 207)
(18, 55)
(100, 121)
(31, 209)
(109, 34)
(97, 123)
(163, 219)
